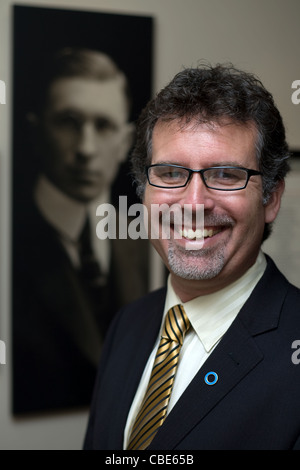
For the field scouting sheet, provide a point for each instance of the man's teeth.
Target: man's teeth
(198, 233)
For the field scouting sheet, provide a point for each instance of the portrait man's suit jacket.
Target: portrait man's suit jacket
(255, 404)
(57, 339)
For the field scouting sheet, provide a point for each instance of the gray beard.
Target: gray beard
(200, 264)
(183, 263)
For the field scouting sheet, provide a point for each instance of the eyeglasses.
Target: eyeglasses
(222, 178)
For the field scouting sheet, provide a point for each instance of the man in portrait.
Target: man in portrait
(67, 284)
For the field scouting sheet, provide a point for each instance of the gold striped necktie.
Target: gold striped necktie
(154, 407)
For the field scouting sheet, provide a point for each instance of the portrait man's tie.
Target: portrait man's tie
(90, 269)
(94, 283)
(154, 407)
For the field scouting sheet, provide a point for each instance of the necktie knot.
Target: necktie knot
(176, 324)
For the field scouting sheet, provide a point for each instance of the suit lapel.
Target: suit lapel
(233, 359)
(71, 310)
(58, 287)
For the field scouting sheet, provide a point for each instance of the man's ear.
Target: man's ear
(126, 140)
(33, 127)
(273, 205)
(33, 124)
(32, 120)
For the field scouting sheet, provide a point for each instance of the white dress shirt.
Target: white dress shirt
(68, 216)
(210, 316)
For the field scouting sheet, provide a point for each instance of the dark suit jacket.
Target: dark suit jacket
(254, 405)
(57, 330)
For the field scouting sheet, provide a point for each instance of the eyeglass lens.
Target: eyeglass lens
(167, 176)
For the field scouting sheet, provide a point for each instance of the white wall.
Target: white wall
(262, 36)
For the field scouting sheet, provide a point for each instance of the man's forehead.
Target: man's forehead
(218, 127)
(185, 123)
(219, 143)
(89, 96)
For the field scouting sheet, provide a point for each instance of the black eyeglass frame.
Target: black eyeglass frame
(202, 172)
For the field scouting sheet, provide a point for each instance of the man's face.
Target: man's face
(234, 220)
(84, 135)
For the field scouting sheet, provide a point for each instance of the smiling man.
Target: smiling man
(234, 218)
(206, 362)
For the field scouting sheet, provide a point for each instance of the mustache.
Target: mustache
(177, 215)
(165, 218)
(218, 220)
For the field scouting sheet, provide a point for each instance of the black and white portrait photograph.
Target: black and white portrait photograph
(77, 92)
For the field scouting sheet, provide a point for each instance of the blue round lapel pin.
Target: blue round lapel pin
(211, 378)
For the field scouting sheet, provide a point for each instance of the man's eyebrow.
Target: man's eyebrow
(227, 163)
(234, 163)
(167, 162)
(68, 111)
(79, 113)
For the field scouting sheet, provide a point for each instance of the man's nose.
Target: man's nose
(196, 192)
(87, 141)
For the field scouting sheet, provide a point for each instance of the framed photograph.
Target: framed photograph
(81, 79)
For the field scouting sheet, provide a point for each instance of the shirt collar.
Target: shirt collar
(66, 215)
(211, 315)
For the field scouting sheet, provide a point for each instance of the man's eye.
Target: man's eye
(68, 122)
(228, 175)
(104, 124)
(171, 175)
